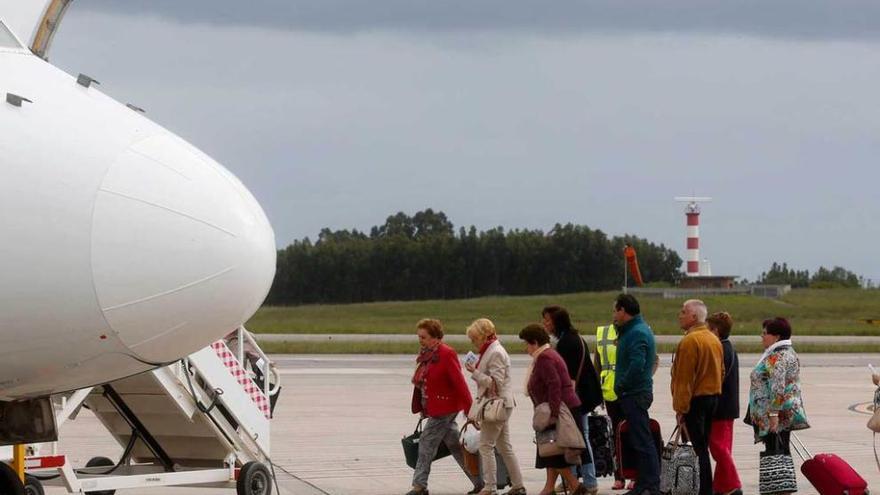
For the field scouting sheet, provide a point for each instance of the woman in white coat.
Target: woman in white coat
(492, 374)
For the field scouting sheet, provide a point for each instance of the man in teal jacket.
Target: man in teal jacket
(634, 386)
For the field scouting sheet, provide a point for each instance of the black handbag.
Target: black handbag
(411, 447)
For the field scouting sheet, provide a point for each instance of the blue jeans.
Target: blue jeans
(588, 470)
(635, 412)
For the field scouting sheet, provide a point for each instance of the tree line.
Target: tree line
(823, 278)
(423, 257)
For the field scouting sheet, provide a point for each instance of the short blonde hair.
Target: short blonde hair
(483, 328)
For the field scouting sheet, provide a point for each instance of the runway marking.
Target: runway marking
(866, 408)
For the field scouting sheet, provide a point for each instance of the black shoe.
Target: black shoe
(475, 491)
(423, 491)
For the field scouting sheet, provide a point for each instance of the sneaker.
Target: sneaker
(417, 491)
(517, 491)
(618, 485)
(476, 490)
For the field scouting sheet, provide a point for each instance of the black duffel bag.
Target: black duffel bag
(411, 447)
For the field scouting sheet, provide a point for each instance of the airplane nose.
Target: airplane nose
(182, 253)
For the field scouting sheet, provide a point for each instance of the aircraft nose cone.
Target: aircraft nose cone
(182, 253)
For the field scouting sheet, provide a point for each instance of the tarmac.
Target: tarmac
(340, 420)
(591, 339)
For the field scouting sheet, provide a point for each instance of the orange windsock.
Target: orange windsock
(633, 264)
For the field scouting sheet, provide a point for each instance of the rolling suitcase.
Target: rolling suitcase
(828, 473)
(627, 455)
(602, 444)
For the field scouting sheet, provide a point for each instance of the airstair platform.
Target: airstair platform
(202, 421)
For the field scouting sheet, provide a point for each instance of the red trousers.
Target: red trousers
(721, 447)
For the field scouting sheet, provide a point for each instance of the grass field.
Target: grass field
(811, 311)
(512, 345)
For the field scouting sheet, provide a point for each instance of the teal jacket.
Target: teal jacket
(635, 358)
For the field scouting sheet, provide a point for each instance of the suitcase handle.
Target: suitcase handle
(800, 448)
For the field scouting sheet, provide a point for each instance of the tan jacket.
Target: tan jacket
(698, 368)
(495, 364)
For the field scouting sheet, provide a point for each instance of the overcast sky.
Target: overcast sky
(338, 113)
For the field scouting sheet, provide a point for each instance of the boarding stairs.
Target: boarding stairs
(201, 421)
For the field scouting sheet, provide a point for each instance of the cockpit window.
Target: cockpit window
(7, 40)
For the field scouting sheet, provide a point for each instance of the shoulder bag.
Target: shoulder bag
(494, 410)
(489, 407)
(411, 447)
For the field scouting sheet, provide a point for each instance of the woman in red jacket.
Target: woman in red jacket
(440, 393)
(547, 380)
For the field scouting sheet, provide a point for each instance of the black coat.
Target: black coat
(728, 403)
(571, 347)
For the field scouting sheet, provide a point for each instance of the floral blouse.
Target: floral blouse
(776, 388)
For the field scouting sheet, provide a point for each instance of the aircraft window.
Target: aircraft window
(6, 38)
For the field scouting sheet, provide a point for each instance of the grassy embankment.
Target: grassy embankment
(812, 312)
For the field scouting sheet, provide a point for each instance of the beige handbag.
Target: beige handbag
(874, 424)
(489, 407)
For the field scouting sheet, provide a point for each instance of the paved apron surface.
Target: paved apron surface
(340, 420)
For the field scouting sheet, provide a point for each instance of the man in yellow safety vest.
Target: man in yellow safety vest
(606, 364)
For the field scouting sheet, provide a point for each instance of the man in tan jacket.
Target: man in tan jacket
(697, 372)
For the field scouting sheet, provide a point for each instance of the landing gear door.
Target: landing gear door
(28, 421)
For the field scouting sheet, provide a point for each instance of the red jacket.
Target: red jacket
(550, 383)
(446, 390)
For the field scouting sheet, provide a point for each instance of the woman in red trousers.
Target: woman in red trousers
(726, 480)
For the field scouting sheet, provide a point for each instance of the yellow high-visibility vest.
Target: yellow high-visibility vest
(606, 347)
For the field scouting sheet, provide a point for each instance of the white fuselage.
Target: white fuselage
(121, 245)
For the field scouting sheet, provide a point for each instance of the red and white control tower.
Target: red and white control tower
(692, 211)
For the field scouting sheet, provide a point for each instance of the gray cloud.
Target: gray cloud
(521, 130)
(800, 19)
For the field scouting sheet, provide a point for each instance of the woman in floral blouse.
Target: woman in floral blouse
(776, 405)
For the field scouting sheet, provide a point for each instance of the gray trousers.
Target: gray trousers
(441, 429)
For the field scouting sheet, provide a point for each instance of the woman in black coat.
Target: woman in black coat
(576, 354)
(726, 480)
